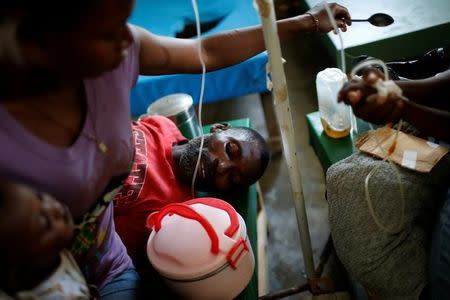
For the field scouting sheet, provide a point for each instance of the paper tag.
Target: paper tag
(409, 159)
(432, 145)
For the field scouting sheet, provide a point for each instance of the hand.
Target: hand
(367, 104)
(340, 14)
(358, 89)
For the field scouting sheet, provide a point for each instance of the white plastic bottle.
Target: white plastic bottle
(335, 117)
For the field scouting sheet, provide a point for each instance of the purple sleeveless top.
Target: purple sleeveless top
(78, 175)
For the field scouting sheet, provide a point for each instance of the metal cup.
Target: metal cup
(180, 109)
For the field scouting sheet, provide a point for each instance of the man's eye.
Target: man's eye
(236, 179)
(228, 149)
(233, 150)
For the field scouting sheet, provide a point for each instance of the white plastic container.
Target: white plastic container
(201, 249)
(336, 117)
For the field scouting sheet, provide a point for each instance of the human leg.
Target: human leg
(127, 285)
(373, 257)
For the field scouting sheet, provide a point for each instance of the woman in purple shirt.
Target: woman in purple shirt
(66, 69)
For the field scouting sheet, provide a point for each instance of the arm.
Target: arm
(165, 55)
(433, 91)
(428, 120)
(414, 106)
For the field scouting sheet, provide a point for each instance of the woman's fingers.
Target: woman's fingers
(341, 13)
(354, 92)
(354, 97)
(341, 24)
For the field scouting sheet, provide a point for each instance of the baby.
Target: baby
(34, 230)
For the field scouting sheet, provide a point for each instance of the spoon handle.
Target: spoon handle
(359, 20)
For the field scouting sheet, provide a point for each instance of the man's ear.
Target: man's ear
(217, 127)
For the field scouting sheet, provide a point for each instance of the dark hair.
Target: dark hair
(261, 143)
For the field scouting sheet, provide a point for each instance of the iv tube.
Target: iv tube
(202, 89)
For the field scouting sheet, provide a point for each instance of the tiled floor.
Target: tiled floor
(305, 57)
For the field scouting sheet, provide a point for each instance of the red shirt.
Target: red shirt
(151, 184)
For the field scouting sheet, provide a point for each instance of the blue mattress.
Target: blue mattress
(168, 18)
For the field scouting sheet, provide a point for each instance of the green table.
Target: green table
(418, 27)
(245, 204)
(327, 149)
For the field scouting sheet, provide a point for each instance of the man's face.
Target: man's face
(228, 161)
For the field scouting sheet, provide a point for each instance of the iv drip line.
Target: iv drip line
(386, 154)
(202, 88)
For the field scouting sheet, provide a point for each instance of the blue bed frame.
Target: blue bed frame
(169, 17)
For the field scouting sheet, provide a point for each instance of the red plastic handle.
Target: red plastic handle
(217, 203)
(236, 252)
(186, 211)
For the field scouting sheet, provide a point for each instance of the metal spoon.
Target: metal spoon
(378, 19)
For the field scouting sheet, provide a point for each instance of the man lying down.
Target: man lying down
(389, 265)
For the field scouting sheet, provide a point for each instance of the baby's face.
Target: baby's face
(32, 225)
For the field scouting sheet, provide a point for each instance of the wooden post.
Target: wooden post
(282, 110)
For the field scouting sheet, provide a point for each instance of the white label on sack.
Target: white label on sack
(409, 159)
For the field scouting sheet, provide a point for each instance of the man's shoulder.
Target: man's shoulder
(159, 127)
(155, 122)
